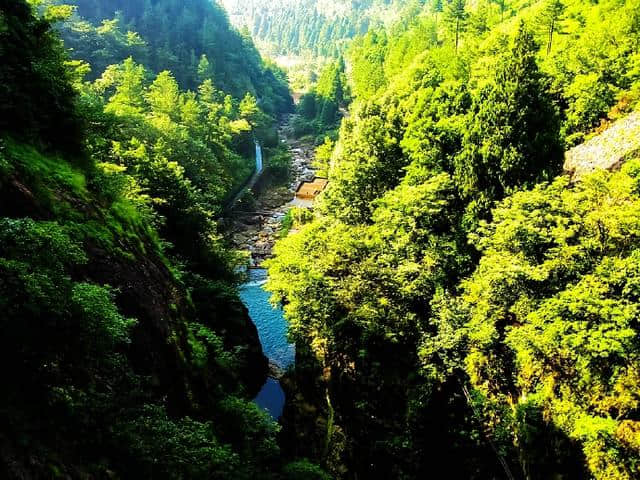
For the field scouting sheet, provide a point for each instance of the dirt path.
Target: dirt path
(256, 231)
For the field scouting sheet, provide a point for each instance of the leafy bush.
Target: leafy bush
(304, 470)
(279, 165)
(154, 445)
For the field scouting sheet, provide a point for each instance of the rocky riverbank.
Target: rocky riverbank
(256, 230)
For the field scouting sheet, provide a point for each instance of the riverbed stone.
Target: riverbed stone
(258, 233)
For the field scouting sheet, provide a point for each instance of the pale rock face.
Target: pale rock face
(607, 151)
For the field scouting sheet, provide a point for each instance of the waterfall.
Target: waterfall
(258, 157)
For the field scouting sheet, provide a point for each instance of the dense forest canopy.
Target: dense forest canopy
(458, 302)
(309, 27)
(471, 309)
(192, 39)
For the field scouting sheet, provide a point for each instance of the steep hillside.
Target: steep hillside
(187, 135)
(317, 28)
(193, 39)
(118, 361)
(458, 305)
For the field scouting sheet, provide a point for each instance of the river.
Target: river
(256, 232)
(272, 330)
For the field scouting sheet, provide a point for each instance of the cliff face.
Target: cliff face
(164, 351)
(608, 150)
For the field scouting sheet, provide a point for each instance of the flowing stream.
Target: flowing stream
(256, 233)
(272, 329)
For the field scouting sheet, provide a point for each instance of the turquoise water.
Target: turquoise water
(272, 329)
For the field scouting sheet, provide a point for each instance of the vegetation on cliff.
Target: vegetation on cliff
(126, 352)
(457, 305)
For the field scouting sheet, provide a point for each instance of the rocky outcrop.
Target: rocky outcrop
(257, 231)
(608, 150)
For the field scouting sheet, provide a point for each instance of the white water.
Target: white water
(258, 157)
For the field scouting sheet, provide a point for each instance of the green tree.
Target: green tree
(512, 135)
(127, 80)
(250, 111)
(549, 321)
(205, 69)
(163, 95)
(456, 17)
(550, 19)
(367, 57)
(34, 77)
(436, 9)
(502, 5)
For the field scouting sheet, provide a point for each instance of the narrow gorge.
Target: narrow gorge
(320, 239)
(254, 230)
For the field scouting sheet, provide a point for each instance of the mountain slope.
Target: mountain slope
(193, 39)
(322, 29)
(113, 365)
(457, 304)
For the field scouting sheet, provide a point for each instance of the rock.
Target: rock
(608, 150)
(275, 371)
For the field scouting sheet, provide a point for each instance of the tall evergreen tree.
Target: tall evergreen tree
(550, 20)
(512, 135)
(502, 4)
(205, 69)
(436, 9)
(456, 16)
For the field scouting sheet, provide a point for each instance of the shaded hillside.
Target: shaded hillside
(193, 39)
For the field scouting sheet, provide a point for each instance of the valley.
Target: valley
(256, 225)
(330, 240)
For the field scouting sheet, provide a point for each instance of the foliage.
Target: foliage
(181, 147)
(196, 44)
(172, 449)
(279, 165)
(309, 28)
(34, 77)
(456, 18)
(294, 219)
(304, 470)
(113, 364)
(551, 312)
(463, 308)
(320, 107)
(466, 314)
(511, 136)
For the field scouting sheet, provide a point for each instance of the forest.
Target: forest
(316, 28)
(462, 296)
